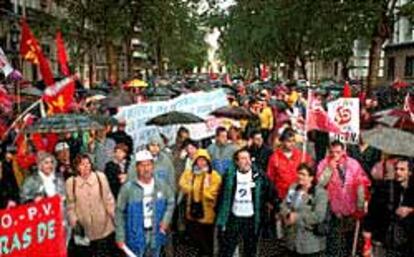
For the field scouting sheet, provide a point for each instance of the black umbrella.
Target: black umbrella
(233, 113)
(105, 120)
(174, 118)
(116, 100)
(31, 91)
(62, 123)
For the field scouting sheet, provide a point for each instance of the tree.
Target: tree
(172, 29)
(382, 27)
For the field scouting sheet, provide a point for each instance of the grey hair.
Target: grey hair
(42, 156)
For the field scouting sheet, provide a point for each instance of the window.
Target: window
(409, 66)
(391, 68)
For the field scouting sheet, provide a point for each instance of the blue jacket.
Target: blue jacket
(130, 215)
(221, 156)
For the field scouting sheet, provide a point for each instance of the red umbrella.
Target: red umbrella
(398, 84)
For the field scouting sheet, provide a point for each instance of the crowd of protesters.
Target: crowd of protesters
(251, 182)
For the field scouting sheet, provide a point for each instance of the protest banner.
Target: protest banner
(200, 104)
(345, 114)
(33, 230)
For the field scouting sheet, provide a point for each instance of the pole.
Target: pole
(31, 107)
(305, 138)
(356, 235)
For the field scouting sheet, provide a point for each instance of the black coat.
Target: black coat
(9, 189)
(367, 158)
(381, 218)
(260, 156)
(112, 171)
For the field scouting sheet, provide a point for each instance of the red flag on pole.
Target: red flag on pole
(227, 80)
(347, 93)
(61, 54)
(409, 106)
(59, 97)
(31, 51)
(6, 102)
(317, 118)
(212, 75)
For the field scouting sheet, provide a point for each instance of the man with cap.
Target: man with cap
(62, 153)
(144, 210)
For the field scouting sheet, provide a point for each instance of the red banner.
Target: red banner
(33, 230)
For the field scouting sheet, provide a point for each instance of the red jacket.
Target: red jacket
(282, 171)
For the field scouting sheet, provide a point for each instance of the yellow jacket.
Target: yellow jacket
(212, 183)
(266, 118)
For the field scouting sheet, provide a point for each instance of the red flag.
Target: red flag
(59, 97)
(409, 106)
(317, 118)
(6, 102)
(25, 158)
(31, 51)
(61, 54)
(347, 93)
(399, 84)
(227, 80)
(212, 75)
(264, 74)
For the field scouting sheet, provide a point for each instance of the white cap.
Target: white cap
(61, 146)
(143, 155)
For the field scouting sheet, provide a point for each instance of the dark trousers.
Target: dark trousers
(238, 230)
(340, 237)
(104, 247)
(201, 237)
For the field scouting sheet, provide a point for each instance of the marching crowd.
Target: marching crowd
(251, 182)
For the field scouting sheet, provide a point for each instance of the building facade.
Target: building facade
(92, 67)
(399, 52)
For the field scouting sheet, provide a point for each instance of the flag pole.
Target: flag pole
(305, 142)
(31, 107)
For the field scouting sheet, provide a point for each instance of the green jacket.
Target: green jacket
(263, 192)
(311, 210)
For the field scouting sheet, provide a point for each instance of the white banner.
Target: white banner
(345, 113)
(200, 104)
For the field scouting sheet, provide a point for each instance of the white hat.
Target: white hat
(61, 146)
(143, 155)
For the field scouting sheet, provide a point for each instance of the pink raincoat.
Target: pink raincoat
(347, 198)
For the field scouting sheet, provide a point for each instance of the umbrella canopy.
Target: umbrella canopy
(395, 118)
(173, 118)
(63, 123)
(390, 140)
(136, 83)
(116, 100)
(232, 112)
(105, 120)
(31, 91)
(95, 98)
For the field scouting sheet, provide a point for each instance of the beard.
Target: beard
(245, 168)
